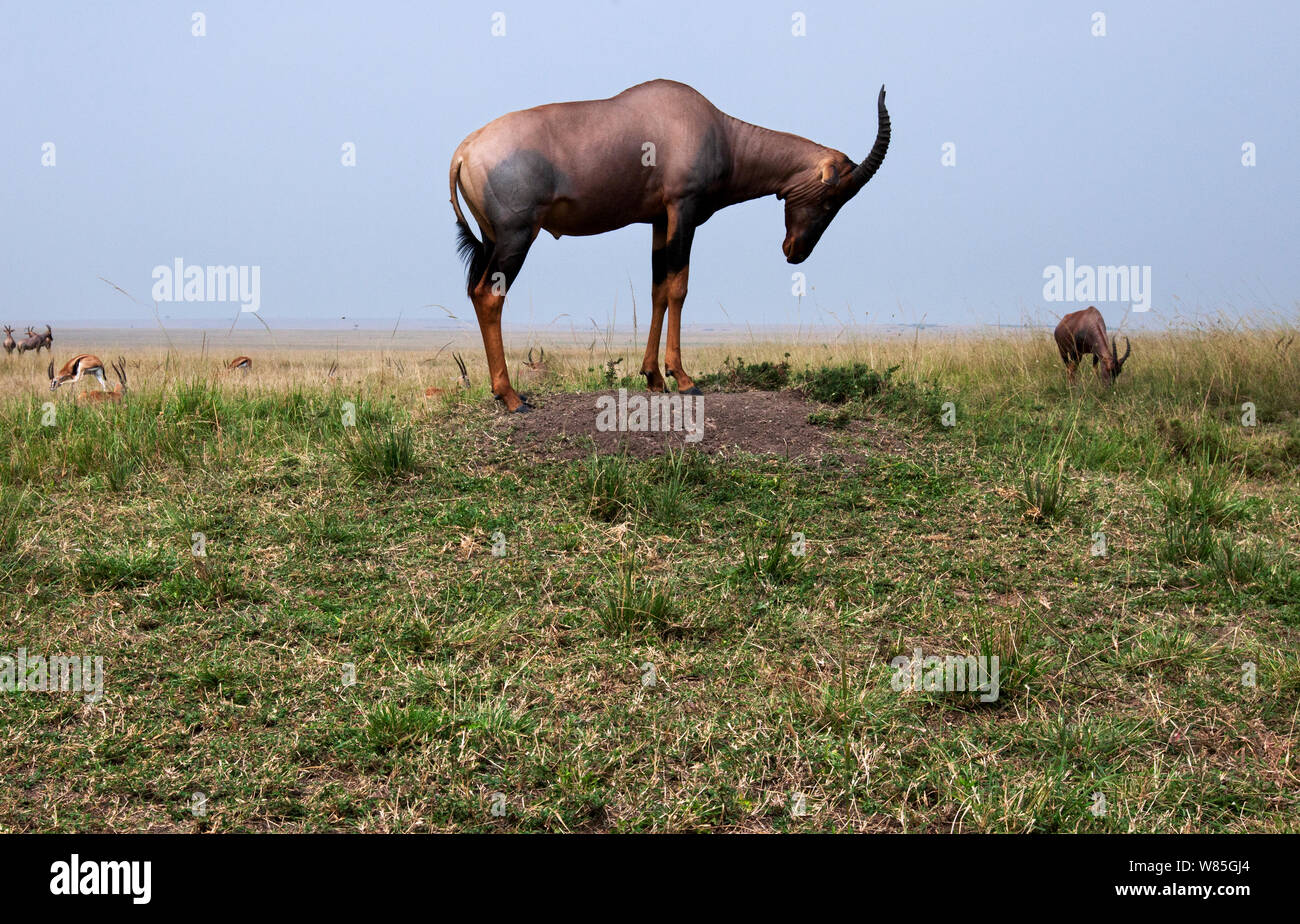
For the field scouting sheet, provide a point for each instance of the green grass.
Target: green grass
(350, 655)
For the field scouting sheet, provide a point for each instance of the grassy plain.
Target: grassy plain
(648, 655)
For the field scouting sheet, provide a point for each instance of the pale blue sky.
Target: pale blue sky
(225, 149)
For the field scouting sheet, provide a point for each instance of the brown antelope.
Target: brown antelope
(33, 341)
(116, 393)
(1084, 332)
(657, 154)
(464, 379)
(47, 339)
(533, 373)
(72, 371)
(10, 345)
(240, 363)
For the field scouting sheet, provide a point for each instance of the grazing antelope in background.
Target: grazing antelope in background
(241, 363)
(33, 341)
(80, 365)
(47, 339)
(9, 339)
(657, 154)
(533, 373)
(116, 393)
(464, 379)
(1084, 332)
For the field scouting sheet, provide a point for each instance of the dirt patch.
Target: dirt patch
(564, 426)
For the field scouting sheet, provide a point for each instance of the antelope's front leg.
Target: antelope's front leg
(658, 306)
(681, 232)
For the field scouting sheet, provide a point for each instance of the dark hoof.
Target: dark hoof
(693, 390)
(523, 408)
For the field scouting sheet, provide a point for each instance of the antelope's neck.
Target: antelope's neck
(766, 162)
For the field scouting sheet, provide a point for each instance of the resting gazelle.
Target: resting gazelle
(116, 393)
(464, 379)
(241, 363)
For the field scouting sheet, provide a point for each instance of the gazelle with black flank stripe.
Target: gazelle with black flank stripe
(73, 370)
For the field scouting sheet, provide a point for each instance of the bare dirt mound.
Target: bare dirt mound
(565, 426)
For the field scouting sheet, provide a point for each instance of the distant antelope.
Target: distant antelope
(72, 371)
(10, 345)
(533, 373)
(240, 363)
(47, 339)
(116, 393)
(432, 392)
(1084, 332)
(33, 341)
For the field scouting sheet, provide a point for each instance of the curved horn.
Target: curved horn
(530, 356)
(1128, 348)
(867, 169)
(51, 371)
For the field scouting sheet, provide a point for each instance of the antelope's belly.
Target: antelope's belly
(594, 216)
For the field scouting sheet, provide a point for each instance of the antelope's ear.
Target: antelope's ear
(830, 174)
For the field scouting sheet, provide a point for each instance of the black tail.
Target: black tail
(474, 253)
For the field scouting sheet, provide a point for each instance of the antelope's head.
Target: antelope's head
(55, 381)
(464, 373)
(540, 364)
(819, 192)
(1113, 364)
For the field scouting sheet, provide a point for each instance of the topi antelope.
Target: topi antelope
(240, 363)
(116, 393)
(1084, 332)
(80, 365)
(10, 345)
(33, 341)
(657, 154)
(47, 339)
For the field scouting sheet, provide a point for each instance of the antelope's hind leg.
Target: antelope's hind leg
(489, 297)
